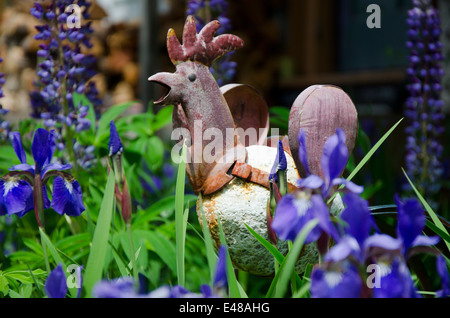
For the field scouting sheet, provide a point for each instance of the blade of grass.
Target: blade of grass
(302, 291)
(236, 291)
(373, 150)
(211, 255)
(438, 231)
(56, 256)
(280, 282)
(368, 156)
(279, 257)
(97, 255)
(180, 227)
(430, 211)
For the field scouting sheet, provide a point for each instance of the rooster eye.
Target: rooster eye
(192, 77)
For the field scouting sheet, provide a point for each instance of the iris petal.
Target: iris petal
(358, 217)
(3, 210)
(42, 148)
(310, 182)
(56, 285)
(346, 247)
(17, 196)
(352, 187)
(334, 157)
(18, 148)
(115, 144)
(286, 221)
(67, 197)
(22, 167)
(220, 278)
(302, 154)
(411, 221)
(54, 166)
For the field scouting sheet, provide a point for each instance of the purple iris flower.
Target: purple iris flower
(294, 211)
(115, 144)
(410, 224)
(124, 287)
(445, 277)
(341, 281)
(117, 288)
(280, 163)
(220, 278)
(334, 159)
(220, 283)
(356, 240)
(23, 188)
(56, 285)
(395, 281)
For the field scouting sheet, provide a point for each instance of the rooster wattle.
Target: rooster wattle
(234, 181)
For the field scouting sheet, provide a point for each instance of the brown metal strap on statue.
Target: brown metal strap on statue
(251, 174)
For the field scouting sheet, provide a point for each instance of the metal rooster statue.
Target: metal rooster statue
(234, 184)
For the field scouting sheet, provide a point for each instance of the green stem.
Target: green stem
(132, 252)
(38, 200)
(293, 279)
(282, 177)
(44, 249)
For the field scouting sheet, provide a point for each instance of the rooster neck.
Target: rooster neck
(215, 145)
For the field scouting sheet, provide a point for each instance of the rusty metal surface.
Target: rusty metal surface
(250, 113)
(319, 110)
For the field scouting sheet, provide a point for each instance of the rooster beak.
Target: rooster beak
(164, 80)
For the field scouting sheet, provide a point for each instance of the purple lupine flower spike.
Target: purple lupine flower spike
(4, 124)
(423, 107)
(64, 71)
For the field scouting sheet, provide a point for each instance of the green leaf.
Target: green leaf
(162, 246)
(279, 257)
(430, 211)
(4, 284)
(368, 156)
(282, 277)
(58, 259)
(281, 111)
(154, 152)
(97, 256)
(211, 255)
(165, 204)
(111, 114)
(373, 150)
(180, 233)
(235, 289)
(56, 256)
(162, 118)
(24, 291)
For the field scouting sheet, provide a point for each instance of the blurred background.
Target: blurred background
(289, 45)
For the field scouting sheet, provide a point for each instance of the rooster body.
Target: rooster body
(234, 186)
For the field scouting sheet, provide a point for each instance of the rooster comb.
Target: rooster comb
(203, 47)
